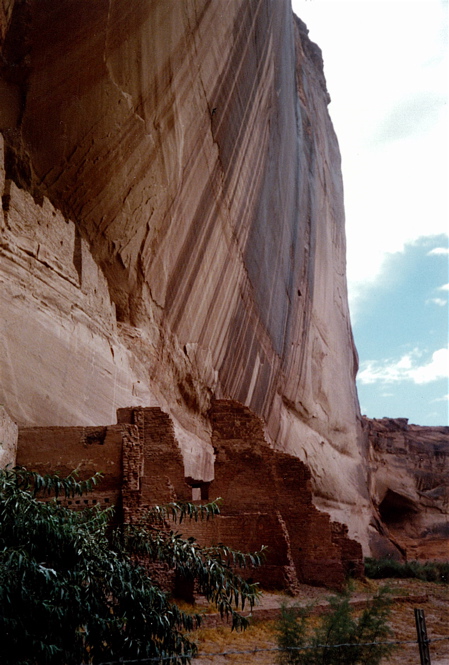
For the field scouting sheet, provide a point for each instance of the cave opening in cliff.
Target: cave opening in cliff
(396, 509)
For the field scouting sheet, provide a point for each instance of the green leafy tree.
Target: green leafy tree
(71, 590)
(361, 639)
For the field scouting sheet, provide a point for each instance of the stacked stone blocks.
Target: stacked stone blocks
(266, 494)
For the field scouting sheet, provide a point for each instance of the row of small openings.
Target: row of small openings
(80, 502)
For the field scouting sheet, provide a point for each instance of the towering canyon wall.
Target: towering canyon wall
(173, 228)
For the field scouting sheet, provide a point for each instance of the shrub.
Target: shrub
(431, 571)
(71, 591)
(340, 638)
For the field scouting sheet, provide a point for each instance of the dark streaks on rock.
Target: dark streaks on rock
(189, 149)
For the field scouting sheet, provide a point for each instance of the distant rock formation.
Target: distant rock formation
(173, 229)
(409, 469)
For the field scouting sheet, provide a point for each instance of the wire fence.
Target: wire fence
(162, 659)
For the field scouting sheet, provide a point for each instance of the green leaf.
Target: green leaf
(70, 583)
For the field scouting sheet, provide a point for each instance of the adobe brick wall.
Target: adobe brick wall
(250, 475)
(61, 450)
(247, 532)
(153, 473)
(351, 550)
(267, 498)
(162, 474)
(133, 470)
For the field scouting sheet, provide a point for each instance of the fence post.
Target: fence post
(423, 640)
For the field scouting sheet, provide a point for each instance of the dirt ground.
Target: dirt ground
(433, 598)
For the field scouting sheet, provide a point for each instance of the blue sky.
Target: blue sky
(386, 67)
(401, 332)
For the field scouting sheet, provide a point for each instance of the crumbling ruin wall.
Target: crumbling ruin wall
(267, 498)
(409, 472)
(163, 480)
(87, 450)
(251, 476)
(163, 476)
(161, 467)
(248, 531)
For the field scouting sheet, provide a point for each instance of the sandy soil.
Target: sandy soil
(261, 635)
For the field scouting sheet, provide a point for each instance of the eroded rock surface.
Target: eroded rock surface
(173, 228)
(409, 466)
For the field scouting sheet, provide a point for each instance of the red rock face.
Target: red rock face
(409, 467)
(186, 236)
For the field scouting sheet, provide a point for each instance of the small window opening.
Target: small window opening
(200, 489)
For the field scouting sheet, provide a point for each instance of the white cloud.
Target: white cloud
(445, 398)
(395, 189)
(438, 368)
(438, 250)
(406, 368)
(441, 302)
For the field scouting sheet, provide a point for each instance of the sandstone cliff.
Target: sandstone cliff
(173, 228)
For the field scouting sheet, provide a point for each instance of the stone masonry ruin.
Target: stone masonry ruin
(266, 494)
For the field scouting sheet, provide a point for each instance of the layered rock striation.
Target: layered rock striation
(173, 229)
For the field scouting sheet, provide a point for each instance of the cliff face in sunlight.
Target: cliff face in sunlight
(173, 228)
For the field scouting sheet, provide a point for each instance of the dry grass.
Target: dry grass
(437, 621)
(262, 635)
(216, 640)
